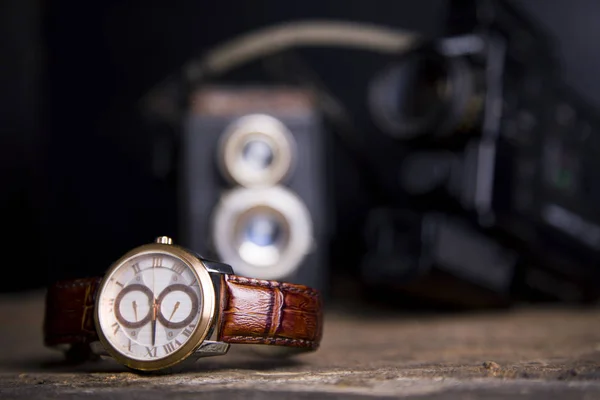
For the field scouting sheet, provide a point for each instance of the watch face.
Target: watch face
(150, 307)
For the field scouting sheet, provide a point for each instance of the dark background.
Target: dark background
(77, 177)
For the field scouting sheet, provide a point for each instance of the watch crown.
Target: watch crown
(164, 240)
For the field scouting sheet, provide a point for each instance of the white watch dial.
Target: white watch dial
(150, 306)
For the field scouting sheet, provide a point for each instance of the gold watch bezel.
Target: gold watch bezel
(207, 310)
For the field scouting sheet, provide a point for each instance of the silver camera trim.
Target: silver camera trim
(236, 202)
(256, 126)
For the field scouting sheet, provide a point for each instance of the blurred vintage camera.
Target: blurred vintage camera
(497, 150)
(253, 181)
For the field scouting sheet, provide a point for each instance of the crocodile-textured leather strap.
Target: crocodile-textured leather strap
(269, 312)
(69, 317)
(252, 311)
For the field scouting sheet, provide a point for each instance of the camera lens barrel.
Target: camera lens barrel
(423, 93)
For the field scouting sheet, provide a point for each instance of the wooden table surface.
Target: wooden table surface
(524, 353)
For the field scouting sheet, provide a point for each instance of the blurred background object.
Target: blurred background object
(429, 153)
(253, 182)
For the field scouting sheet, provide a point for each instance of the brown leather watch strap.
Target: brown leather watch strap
(69, 317)
(252, 311)
(270, 312)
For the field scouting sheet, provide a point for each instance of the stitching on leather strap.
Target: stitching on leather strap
(271, 284)
(76, 282)
(279, 341)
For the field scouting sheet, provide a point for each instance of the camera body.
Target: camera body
(253, 181)
(494, 142)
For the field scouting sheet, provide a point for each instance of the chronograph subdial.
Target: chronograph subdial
(133, 306)
(177, 306)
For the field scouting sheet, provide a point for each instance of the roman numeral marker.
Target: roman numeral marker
(111, 304)
(189, 330)
(151, 351)
(136, 268)
(169, 348)
(179, 268)
(129, 345)
(156, 262)
(116, 328)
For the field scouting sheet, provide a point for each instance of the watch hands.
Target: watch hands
(153, 321)
(153, 309)
(174, 309)
(135, 310)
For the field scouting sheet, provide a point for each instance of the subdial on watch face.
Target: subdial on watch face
(178, 306)
(150, 306)
(133, 306)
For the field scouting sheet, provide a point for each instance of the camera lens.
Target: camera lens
(262, 237)
(257, 154)
(423, 93)
(257, 150)
(421, 88)
(264, 232)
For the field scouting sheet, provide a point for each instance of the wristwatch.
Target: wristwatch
(161, 306)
